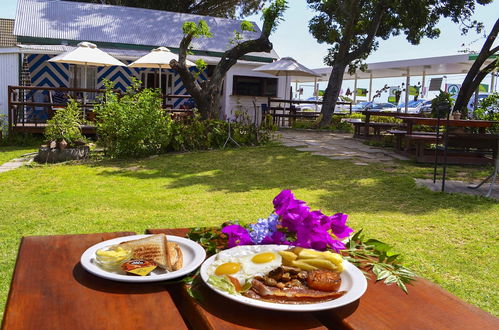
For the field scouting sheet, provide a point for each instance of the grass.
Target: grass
(449, 239)
(11, 152)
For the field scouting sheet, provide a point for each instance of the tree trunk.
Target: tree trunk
(332, 93)
(475, 75)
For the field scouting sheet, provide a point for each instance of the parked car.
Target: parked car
(413, 106)
(310, 106)
(362, 106)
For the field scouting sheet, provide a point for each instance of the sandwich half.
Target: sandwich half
(152, 248)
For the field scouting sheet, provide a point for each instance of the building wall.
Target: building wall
(235, 103)
(9, 75)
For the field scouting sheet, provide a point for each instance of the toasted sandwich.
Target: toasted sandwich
(152, 248)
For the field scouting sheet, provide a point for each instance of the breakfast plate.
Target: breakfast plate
(193, 255)
(353, 282)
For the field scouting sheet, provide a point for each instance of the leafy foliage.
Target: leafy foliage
(65, 125)
(219, 8)
(441, 105)
(371, 254)
(489, 110)
(354, 28)
(274, 13)
(132, 125)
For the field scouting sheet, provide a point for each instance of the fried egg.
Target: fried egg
(246, 262)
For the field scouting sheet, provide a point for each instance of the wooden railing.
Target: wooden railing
(286, 112)
(33, 106)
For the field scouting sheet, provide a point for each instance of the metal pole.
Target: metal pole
(407, 83)
(423, 84)
(436, 151)
(446, 137)
(355, 89)
(370, 87)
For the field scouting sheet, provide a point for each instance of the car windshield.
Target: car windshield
(361, 105)
(412, 104)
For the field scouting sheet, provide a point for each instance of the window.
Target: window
(151, 80)
(254, 86)
(77, 74)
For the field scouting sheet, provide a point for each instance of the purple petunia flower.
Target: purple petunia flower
(238, 235)
(339, 227)
(291, 210)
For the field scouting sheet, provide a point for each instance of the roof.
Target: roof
(440, 65)
(7, 39)
(122, 54)
(65, 21)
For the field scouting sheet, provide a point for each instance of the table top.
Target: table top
(74, 297)
(390, 113)
(452, 122)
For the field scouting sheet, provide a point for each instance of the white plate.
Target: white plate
(353, 282)
(192, 252)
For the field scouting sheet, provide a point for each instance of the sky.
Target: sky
(293, 39)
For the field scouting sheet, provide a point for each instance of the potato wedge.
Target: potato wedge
(302, 265)
(335, 258)
(288, 255)
(309, 254)
(321, 263)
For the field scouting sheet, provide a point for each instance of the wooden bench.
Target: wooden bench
(377, 127)
(462, 148)
(400, 134)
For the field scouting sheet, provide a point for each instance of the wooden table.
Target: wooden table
(66, 297)
(480, 124)
(369, 113)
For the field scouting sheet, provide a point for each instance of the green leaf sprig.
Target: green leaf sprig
(371, 254)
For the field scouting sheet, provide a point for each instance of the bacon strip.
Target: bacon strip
(294, 294)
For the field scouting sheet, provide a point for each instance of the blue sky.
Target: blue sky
(293, 39)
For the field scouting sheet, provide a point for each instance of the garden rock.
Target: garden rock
(48, 155)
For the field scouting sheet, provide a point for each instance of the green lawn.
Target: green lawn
(11, 152)
(449, 239)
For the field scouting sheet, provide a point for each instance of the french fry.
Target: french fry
(320, 263)
(309, 254)
(302, 265)
(335, 258)
(288, 256)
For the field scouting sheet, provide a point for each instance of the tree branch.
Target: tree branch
(366, 45)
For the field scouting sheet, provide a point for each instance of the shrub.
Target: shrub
(133, 124)
(441, 105)
(65, 125)
(489, 110)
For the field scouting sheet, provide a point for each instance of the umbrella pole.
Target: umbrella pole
(84, 86)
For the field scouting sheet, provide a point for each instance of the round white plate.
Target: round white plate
(352, 281)
(192, 252)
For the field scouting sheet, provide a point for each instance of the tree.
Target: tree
(207, 93)
(476, 73)
(219, 8)
(353, 28)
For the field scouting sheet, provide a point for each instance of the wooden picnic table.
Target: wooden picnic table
(369, 113)
(50, 289)
(480, 124)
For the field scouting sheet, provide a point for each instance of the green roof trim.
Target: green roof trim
(47, 41)
(475, 56)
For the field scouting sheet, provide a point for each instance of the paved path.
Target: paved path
(337, 146)
(17, 162)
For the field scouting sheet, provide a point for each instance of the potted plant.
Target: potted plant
(441, 105)
(65, 140)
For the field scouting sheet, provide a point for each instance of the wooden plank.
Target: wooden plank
(218, 312)
(427, 306)
(50, 290)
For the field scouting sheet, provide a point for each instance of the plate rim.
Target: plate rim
(353, 271)
(198, 259)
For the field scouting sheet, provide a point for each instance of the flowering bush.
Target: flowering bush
(293, 223)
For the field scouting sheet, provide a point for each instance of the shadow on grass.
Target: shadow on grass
(347, 187)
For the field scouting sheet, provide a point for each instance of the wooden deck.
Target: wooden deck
(39, 128)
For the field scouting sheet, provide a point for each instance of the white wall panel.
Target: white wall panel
(9, 75)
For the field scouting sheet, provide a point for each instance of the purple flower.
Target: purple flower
(291, 210)
(238, 235)
(264, 228)
(339, 227)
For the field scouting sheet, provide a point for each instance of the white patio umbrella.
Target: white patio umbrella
(87, 54)
(287, 66)
(158, 58)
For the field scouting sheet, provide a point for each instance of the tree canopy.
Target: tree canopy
(219, 8)
(353, 28)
